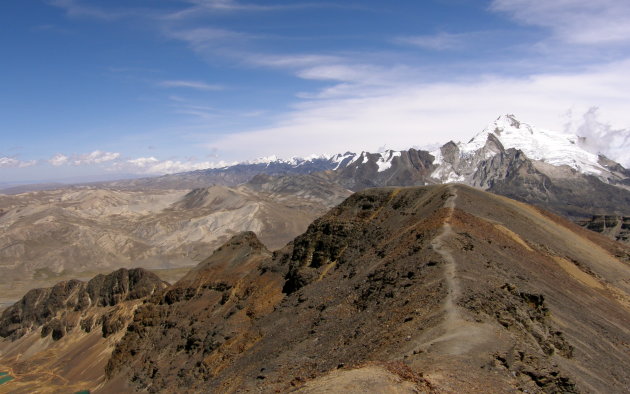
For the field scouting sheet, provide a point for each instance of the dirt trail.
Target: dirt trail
(459, 335)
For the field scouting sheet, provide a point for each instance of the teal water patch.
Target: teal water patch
(5, 377)
(83, 392)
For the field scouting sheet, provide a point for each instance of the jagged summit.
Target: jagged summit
(538, 166)
(553, 147)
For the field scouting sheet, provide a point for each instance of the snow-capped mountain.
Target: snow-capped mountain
(508, 157)
(456, 162)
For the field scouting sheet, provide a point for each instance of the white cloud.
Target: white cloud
(292, 61)
(574, 21)
(10, 162)
(440, 41)
(602, 138)
(189, 84)
(406, 111)
(59, 160)
(203, 38)
(95, 157)
(201, 7)
(153, 166)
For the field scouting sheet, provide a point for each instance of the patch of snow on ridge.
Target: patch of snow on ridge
(385, 161)
(262, 160)
(437, 154)
(357, 157)
(294, 161)
(556, 148)
(446, 174)
(344, 159)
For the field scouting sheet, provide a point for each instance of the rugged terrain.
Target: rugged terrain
(467, 289)
(441, 288)
(433, 289)
(52, 235)
(614, 227)
(63, 336)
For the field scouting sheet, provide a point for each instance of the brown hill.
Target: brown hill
(442, 288)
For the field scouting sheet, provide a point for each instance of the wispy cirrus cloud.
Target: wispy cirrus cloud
(439, 42)
(574, 21)
(76, 8)
(291, 61)
(197, 85)
(199, 8)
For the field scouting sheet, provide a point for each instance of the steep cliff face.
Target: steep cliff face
(61, 338)
(465, 290)
(69, 304)
(614, 227)
(403, 168)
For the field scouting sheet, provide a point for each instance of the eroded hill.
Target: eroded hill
(54, 235)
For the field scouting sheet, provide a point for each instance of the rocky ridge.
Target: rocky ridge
(63, 307)
(61, 338)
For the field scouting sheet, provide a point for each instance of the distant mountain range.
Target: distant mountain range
(509, 157)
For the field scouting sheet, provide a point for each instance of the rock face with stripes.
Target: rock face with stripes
(614, 227)
(440, 288)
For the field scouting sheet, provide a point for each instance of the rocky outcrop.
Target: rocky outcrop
(614, 227)
(196, 328)
(60, 309)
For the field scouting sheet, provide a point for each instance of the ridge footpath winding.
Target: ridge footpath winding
(460, 335)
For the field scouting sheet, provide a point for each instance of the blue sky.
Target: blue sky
(93, 89)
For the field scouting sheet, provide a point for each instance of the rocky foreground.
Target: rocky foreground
(428, 289)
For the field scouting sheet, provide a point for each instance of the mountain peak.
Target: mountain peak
(553, 147)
